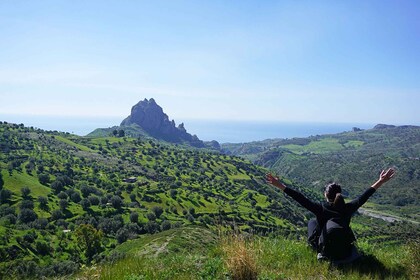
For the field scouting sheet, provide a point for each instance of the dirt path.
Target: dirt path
(385, 217)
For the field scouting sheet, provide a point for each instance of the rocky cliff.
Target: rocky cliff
(150, 117)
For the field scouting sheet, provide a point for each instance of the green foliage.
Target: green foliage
(354, 159)
(131, 187)
(88, 240)
(196, 253)
(1, 180)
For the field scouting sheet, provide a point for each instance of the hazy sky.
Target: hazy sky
(324, 61)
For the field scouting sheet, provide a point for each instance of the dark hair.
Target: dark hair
(333, 193)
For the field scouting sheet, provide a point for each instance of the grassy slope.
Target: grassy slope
(229, 189)
(197, 253)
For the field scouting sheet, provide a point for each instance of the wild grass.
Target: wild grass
(240, 258)
(196, 253)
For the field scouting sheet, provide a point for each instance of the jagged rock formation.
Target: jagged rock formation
(150, 117)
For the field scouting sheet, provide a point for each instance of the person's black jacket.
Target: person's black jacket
(326, 211)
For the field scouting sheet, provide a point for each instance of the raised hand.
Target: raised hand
(275, 181)
(383, 178)
(386, 175)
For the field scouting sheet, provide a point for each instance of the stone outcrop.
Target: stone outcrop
(150, 117)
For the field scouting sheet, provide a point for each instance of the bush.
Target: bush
(25, 192)
(43, 203)
(151, 216)
(134, 217)
(240, 259)
(5, 195)
(27, 215)
(27, 204)
(75, 197)
(116, 202)
(42, 248)
(151, 227)
(157, 210)
(122, 235)
(166, 225)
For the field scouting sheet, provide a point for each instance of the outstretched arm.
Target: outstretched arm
(275, 181)
(383, 178)
(315, 208)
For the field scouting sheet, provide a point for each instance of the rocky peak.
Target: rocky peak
(150, 116)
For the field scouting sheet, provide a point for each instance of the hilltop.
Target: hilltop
(147, 119)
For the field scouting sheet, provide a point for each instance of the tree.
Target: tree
(25, 192)
(75, 197)
(121, 133)
(56, 214)
(57, 186)
(42, 248)
(115, 132)
(116, 202)
(89, 240)
(44, 178)
(62, 195)
(63, 204)
(151, 227)
(173, 193)
(122, 235)
(134, 217)
(151, 216)
(5, 195)
(27, 215)
(93, 199)
(27, 204)
(157, 210)
(166, 225)
(1, 181)
(85, 203)
(43, 203)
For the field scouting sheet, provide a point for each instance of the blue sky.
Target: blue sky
(302, 61)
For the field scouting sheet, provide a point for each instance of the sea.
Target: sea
(223, 131)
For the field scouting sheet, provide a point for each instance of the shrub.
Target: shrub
(43, 203)
(166, 225)
(134, 217)
(27, 204)
(151, 216)
(122, 235)
(157, 210)
(240, 259)
(27, 215)
(25, 192)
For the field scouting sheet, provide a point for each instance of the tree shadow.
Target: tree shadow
(371, 266)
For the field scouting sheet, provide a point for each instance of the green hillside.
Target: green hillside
(197, 253)
(70, 202)
(125, 187)
(351, 158)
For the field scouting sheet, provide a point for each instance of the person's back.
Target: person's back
(330, 233)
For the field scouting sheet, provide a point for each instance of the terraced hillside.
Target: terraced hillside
(351, 158)
(124, 187)
(69, 202)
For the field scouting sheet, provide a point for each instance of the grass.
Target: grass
(318, 147)
(19, 180)
(73, 144)
(197, 253)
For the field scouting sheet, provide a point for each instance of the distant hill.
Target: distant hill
(147, 119)
(350, 158)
